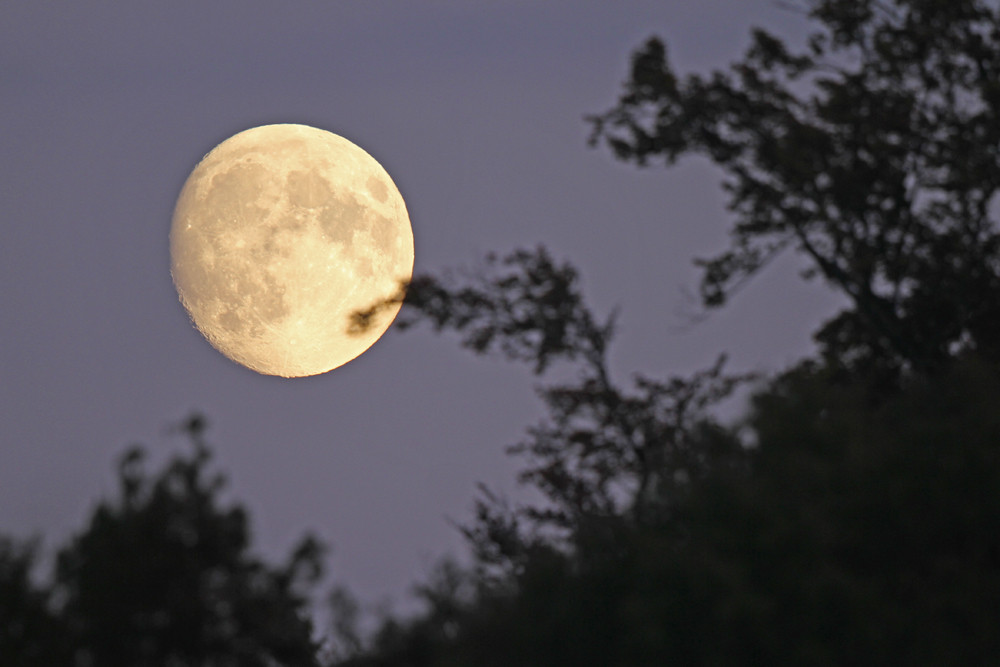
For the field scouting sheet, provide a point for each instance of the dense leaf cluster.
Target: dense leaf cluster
(162, 575)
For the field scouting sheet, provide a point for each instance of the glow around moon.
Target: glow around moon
(279, 235)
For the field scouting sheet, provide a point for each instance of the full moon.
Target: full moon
(280, 234)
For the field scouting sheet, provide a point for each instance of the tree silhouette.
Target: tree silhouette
(29, 632)
(851, 516)
(823, 528)
(872, 150)
(161, 575)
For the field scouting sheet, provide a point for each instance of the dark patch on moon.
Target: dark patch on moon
(364, 266)
(231, 321)
(377, 188)
(266, 297)
(341, 217)
(249, 300)
(307, 189)
(266, 249)
(383, 231)
(232, 196)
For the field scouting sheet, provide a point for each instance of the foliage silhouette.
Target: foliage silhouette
(162, 575)
(824, 528)
(874, 151)
(29, 632)
(851, 516)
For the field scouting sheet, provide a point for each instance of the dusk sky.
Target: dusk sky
(476, 110)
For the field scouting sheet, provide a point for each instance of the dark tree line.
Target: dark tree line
(851, 516)
(162, 574)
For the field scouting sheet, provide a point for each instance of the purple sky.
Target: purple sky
(475, 109)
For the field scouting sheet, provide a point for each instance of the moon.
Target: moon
(280, 234)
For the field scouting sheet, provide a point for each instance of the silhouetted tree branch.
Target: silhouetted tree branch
(606, 454)
(873, 151)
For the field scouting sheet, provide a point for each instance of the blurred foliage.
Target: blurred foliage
(161, 575)
(30, 634)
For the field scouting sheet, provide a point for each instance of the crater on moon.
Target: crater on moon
(279, 235)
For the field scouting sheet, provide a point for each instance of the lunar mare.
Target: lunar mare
(279, 235)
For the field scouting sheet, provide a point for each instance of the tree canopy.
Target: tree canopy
(851, 515)
(161, 575)
(871, 149)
